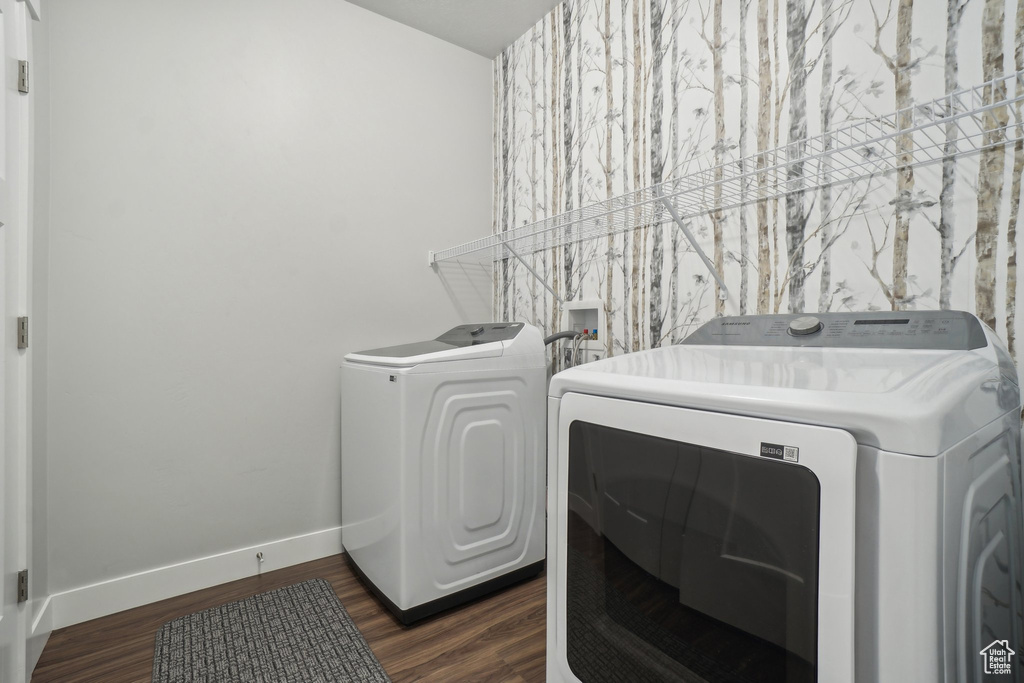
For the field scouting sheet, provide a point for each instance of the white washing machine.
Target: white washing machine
(781, 498)
(442, 465)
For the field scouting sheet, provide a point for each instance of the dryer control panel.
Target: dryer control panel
(943, 330)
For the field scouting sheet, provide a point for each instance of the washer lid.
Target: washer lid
(465, 342)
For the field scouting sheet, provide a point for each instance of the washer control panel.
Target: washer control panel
(944, 330)
(480, 333)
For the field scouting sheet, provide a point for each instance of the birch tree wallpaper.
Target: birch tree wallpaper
(606, 97)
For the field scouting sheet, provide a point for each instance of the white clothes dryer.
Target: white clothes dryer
(786, 499)
(442, 465)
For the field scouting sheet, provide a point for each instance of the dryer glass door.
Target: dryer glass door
(704, 558)
(691, 559)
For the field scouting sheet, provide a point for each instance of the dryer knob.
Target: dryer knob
(477, 332)
(804, 326)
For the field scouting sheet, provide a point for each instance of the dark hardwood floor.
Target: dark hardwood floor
(497, 638)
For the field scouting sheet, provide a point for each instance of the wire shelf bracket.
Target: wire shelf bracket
(533, 272)
(723, 291)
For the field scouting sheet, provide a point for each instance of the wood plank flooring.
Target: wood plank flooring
(497, 638)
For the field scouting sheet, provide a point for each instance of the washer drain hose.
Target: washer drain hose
(569, 334)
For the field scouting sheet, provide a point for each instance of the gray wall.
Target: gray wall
(242, 192)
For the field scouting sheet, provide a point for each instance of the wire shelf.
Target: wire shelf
(844, 155)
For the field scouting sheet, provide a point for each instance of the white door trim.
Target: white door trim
(14, 366)
(35, 8)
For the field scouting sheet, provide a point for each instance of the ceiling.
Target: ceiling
(485, 27)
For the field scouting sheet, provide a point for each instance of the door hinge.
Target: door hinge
(23, 76)
(23, 332)
(23, 585)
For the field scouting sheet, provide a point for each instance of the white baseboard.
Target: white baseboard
(115, 595)
(39, 633)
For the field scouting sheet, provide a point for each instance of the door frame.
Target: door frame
(15, 236)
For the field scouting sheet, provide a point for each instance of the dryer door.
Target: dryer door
(699, 546)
